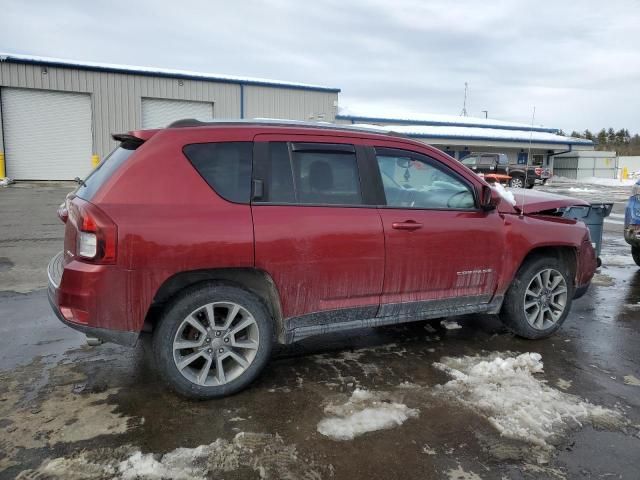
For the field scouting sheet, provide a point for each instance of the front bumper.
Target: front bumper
(632, 235)
(55, 272)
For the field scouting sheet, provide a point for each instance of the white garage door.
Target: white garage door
(158, 113)
(47, 134)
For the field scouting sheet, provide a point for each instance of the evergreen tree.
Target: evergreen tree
(602, 137)
(588, 135)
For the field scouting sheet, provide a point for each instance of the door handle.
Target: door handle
(408, 225)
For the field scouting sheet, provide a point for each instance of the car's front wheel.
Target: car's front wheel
(635, 253)
(213, 340)
(539, 299)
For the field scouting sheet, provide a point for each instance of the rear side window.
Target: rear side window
(312, 176)
(105, 170)
(487, 160)
(226, 167)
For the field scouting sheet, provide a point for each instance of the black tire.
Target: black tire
(635, 253)
(517, 181)
(513, 314)
(190, 300)
(530, 185)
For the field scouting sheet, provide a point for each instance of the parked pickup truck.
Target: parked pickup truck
(498, 163)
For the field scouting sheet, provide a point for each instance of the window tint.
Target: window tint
(415, 183)
(487, 160)
(280, 189)
(105, 170)
(312, 177)
(327, 178)
(503, 160)
(226, 167)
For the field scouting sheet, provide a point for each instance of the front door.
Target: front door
(316, 232)
(441, 250)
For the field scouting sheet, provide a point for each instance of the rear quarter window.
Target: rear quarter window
(225, 166)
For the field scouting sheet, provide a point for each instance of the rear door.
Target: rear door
(317, 230)
(441, 250)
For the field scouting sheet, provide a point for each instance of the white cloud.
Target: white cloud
(578, 63)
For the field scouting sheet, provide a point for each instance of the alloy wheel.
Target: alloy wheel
(216, 343)
(545, 299)
(517, 182)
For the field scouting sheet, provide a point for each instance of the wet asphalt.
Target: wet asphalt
(61, 400)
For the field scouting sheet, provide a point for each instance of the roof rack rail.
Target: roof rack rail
(192, 122)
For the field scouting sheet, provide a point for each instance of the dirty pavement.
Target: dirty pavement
(457, 399)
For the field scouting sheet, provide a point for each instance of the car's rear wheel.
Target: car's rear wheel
(635, 253)
(516, 182)
(212, 341)
(539, 299)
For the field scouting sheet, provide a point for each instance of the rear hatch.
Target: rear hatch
(90, 235)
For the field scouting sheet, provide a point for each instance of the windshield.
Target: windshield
(103, 172)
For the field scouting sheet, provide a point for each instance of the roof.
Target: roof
(158, 72)
(429, 119)
(477, 133)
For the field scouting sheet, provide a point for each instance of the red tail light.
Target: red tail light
(97, 234)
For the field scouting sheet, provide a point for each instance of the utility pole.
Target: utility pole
(486, 113)
(464, 105)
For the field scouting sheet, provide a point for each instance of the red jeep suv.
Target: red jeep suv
(222, 238)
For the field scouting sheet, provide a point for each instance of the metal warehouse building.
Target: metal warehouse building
(459, 136)
(55, 115)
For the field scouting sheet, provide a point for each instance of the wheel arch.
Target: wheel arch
(564, 253)
(254, 280)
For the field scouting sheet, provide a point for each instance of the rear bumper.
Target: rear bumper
(79, 297)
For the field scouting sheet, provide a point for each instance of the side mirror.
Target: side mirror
(489, 198)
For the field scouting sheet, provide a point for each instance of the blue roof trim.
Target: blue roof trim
(525, 140)
(436, 123)
(145, 73)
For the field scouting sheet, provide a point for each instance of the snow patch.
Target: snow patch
(616, 260)
(631, 380)
(460, 474)
(366, 411)
(265, 454)
(504, 193)
(450, 324)
(5, 182)
(502, 387)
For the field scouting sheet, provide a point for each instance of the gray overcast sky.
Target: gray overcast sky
(578, 62)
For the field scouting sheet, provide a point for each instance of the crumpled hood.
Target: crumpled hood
(534, 201)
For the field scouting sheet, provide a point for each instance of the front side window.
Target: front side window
(414, 182)
(225, 166)
(312, 176)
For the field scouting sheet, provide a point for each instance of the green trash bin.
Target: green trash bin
(593, 216)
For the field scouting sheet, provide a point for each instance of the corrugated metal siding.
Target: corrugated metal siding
(116, 98)
(289, 103)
